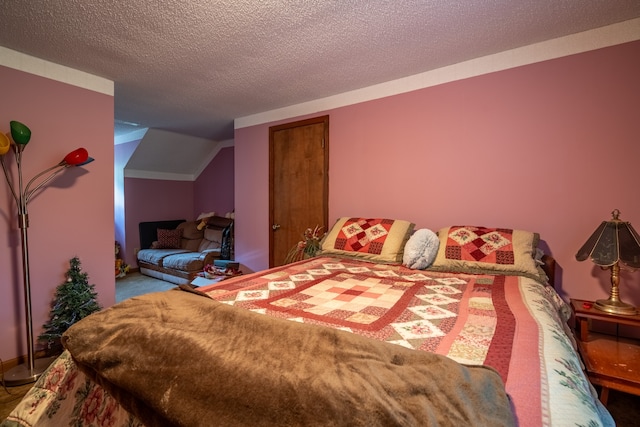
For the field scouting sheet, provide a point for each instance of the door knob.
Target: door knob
(274, 227)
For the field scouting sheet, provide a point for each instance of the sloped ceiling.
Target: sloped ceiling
(164, 155)
(192, 67)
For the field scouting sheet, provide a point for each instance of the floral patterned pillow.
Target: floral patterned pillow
(483, 250)
(373, 239)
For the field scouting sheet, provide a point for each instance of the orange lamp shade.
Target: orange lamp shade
(5, 143)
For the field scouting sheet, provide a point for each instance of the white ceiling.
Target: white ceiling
(191, 67)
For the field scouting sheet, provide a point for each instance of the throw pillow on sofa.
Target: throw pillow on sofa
(169, 239)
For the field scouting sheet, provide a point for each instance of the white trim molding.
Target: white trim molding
(134, 173)
(40, 67)
(598, 38)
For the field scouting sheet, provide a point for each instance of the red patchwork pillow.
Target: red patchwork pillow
(480, 244)
(484, 250)
(169, 239)
(373, 239)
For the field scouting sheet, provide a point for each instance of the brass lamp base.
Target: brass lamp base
(22, 374)
(615, 307)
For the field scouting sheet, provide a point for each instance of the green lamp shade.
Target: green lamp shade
(20, 133)
(5, 143)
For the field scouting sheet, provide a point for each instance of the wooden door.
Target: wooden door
(298, 183)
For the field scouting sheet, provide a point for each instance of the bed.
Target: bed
(387, 325)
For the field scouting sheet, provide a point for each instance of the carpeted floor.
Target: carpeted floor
(134, 284)
(625, 408)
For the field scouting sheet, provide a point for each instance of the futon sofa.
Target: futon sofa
(177, 250)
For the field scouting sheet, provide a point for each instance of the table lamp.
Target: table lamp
(612, 243)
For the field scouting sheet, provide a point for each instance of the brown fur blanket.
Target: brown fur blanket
(181, 358)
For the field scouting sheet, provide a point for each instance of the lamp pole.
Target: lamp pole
(31, 370)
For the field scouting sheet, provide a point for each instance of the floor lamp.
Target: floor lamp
(18, 140)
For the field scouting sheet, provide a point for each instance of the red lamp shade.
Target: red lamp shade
(76, 157)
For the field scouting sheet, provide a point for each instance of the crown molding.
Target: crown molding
(40, 67)
(598, 38)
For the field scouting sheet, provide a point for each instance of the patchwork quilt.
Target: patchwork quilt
(512, 324)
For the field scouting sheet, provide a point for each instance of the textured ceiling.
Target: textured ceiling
(191, 67)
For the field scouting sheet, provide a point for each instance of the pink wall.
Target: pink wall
(550, 147)
(73, 216)
(252, 226)
(214, 186)
(153, 200)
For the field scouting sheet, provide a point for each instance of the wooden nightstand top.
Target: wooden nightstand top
(577, 305)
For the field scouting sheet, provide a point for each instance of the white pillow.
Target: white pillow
(421, 249)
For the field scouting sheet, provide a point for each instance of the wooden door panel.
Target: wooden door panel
(298, 183)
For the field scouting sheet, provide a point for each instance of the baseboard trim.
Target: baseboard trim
(12, 363)
(131, 270)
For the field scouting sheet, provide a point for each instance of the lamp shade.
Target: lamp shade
(76, 157)
(613, 241)
(5, 143)
(20, 133)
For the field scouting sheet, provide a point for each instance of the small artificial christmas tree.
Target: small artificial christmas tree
(74, 299)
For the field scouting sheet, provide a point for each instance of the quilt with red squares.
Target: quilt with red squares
(389, 303)
(510, 323)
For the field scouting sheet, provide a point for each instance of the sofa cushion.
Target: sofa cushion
(169, 239)
(187, 261)
(212, 240)
(191, 245)
(191, 236)
(156, 256)
(190, 230)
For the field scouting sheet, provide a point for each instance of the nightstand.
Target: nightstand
(611, 362)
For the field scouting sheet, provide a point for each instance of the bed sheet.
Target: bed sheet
(512, 324)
